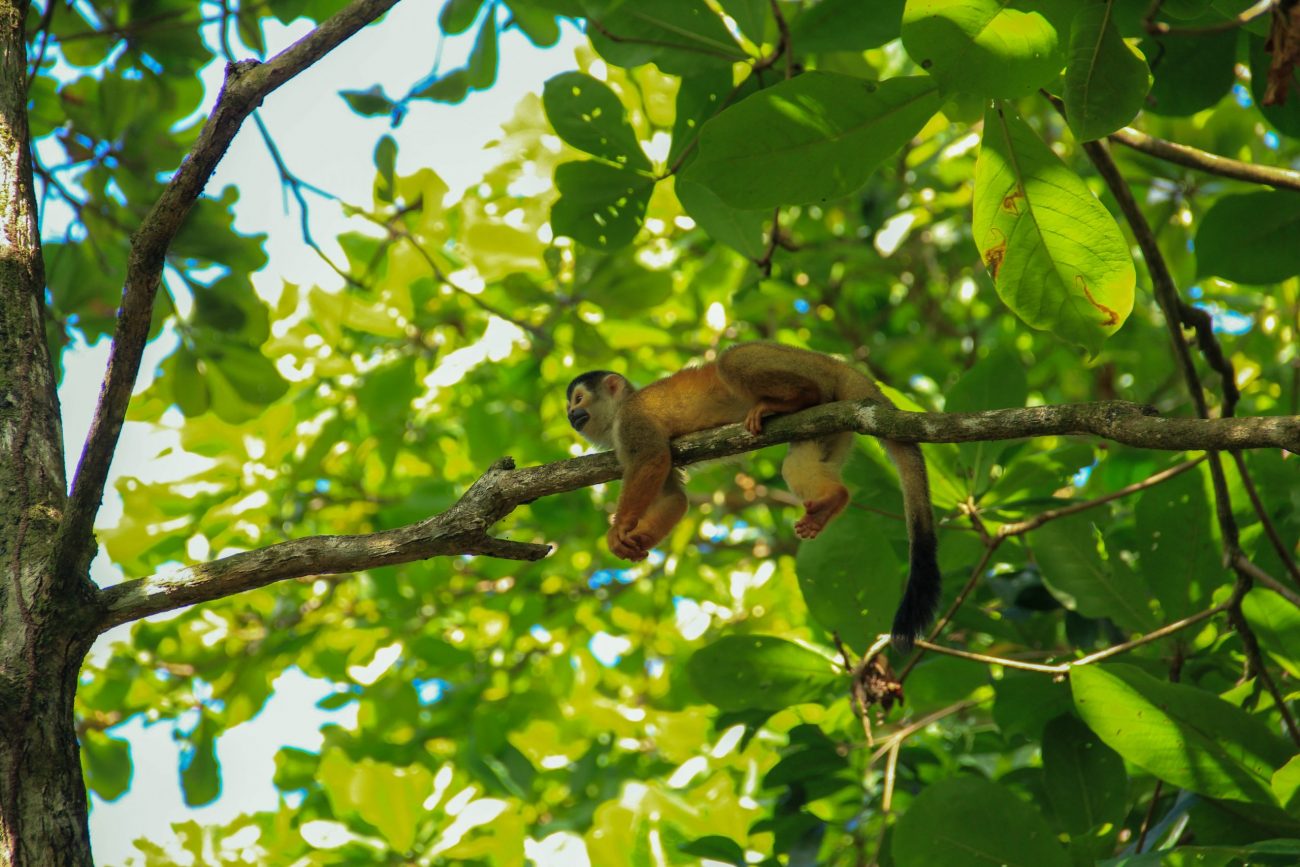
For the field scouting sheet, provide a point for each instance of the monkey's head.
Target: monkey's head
(594, 399)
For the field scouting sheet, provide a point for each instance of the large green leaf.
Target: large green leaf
(589, 116)
(1073, 569)
(851, 579)
(600, 205)
(993, 382)
(973, 821)
(1269, 853)
(1251, 237)
(388, 797)
(1276, 623)
(106, 762)
(200, 769)
(990, 48)
(1189, 72)
(742, 672)
(1057, 258)
(740, 229)
(1179, 557)
(1184, 735)
(843, 25)
(1084, 778)
(678, 36)
(1107, 79)
(812, 138)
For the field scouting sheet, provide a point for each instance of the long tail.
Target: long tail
(924, 583)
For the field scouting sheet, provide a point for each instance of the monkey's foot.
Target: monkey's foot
(754, 419)
(818, 513)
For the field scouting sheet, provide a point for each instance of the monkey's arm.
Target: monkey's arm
(645, 504)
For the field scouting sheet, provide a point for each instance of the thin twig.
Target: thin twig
(1288, 562)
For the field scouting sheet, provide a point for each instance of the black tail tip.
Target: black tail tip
(920, 598)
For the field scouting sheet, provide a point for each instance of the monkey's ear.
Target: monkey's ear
(615, 385)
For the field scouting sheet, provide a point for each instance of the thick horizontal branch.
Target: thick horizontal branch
(463, 528)
(247, 84)
(1204, 161)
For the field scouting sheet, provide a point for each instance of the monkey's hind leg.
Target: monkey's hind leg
(812, 470)
(770, 377)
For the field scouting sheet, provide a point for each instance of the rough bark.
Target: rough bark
(42, 799)
(48, 606)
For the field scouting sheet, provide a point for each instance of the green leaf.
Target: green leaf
(1084, 778)
(481, 71)
(457, 15)
(1286, 784)
(842, 25)
(106, 762)
(822, 134)
(993, 382)
(1025, 703)
(600, 205)
(973, 821)
(1179, 557)
(1183, 735)
(370, 102)
(451, 88)
(1190, 72)
(200, 770)
(699, 98)
(1276, 624)
(251, 373)
(587, 114)
(740, 672)
(622, 286)
(389, 798)
(851, 579)
(715, 848)
(678, 36)
(986, 47)
(1106, 80)
(1073, 569)
(386, 165)
(189, 389)
(1251, 237)
(1269, 853)
(1056, 256)
(540, 25)
(739, 229)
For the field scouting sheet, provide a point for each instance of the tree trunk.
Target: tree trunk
(44, 618)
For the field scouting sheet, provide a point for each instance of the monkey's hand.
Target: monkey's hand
(628, 542)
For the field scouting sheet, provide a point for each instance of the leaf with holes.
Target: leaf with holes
(1057, 258)
(589, 116)
(600, 205)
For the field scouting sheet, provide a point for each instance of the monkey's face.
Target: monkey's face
(593, 402)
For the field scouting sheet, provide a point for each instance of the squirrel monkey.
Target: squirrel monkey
(746, 383)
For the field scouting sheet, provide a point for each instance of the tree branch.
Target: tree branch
(463, 528)
(1204, 161)
(246, 85)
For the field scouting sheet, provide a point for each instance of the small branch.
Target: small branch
(1204, 161)
(991, 660)
(1042, 518)
(246, 85)
(1283, 553)
(1242, 564)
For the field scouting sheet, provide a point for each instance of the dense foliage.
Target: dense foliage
(889, 181)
